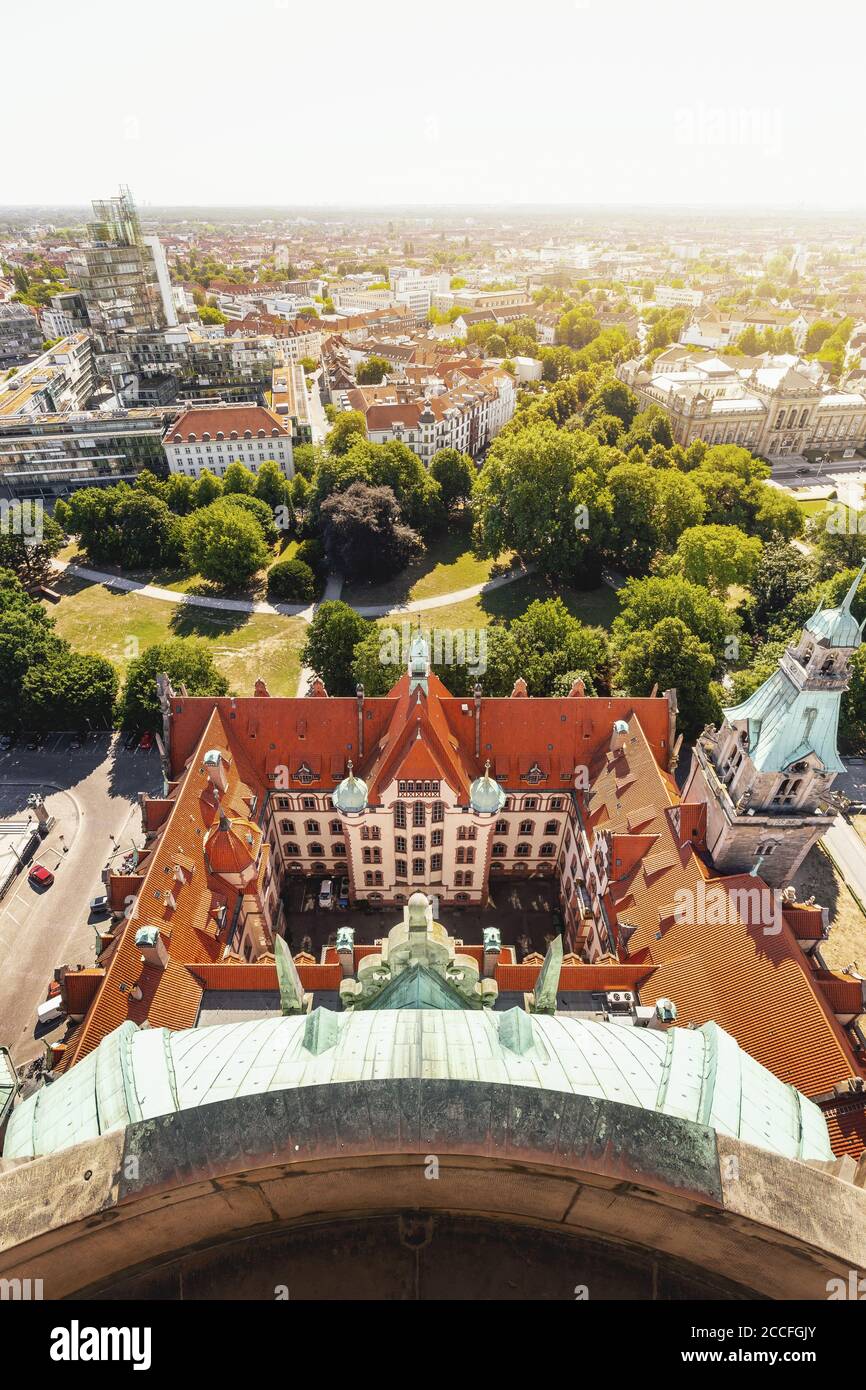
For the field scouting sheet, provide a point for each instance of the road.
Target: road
(93, 795)
(798, 472)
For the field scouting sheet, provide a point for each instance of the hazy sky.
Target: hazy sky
(460, 101)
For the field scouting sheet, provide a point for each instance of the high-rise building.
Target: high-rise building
(122, 274)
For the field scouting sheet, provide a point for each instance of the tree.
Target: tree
(348, 428)
(333, 634)
(780, 575)
(669, 655)
(207, 489)
(272, 485)
(455, 474)
(291, 581)
(495, 346)
(225, 545)
(613, 398)
(364, 533)
(679, 505)
(373, 370)
(239, 478)
(536, 495)
(549, 641)
(255, 508)
(646, 602)
(70, 691)
(371, 664)
(186, 660)
(146, 533)
(27, 552)
(717, 557)
(635, 531)
(207, 314)
(90, 517)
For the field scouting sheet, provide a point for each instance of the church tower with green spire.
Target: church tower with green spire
(766, 773)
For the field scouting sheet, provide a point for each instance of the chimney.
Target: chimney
(150, 945)
(492, 948)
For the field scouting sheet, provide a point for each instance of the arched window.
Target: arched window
(438, 811)
(293, 849)
(315, 849)
(338, 850)
(287, 827)
(458, 878)
(419, 812)
(311, 827)
(792, 417)
(550, 827)
(525, 827)
(522, 851)
(780, 419)
(400, 815)
(501, 827)
(499, 851)
(335, 827)
(803, 418)
(547, 851)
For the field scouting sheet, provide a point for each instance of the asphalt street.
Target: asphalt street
(93, 794)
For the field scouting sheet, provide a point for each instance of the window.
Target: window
(335, 827)
(551, 827)
(467, 880)
(525, 827)
(419, 843)
(547, 851)
(293, 849)
(501, 827)
(436, 837)
(438, 809)
(400, 868)
(556, 803)
(281, 803)
(458, 878)
(499, 850)
(400, 844)
(418, 867)
(315, 849)
(304, 775)
(466, 832)
(522, 851)
(311, 827)
(338, 849)
(530, 803)
(418, 813)
(372, 856)
(287, 827)
(436, 863)
(308, 803)
(534, 775)
(400, 815)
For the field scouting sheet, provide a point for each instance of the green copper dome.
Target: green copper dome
(837, 626)
(351, 795)
(695, 1074)
(485, 795)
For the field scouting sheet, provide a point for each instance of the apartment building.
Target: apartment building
(210, 437)
(20, 335)
(463, 409)
(61, 379)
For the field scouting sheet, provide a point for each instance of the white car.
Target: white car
(326, 895)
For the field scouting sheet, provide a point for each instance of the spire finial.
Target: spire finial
(487, 768)
(349, 767)
(849, 597)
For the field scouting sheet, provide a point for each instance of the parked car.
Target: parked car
(326, 895)
(99, 905)
(34, 743)
(146, 741)
(343, 893)
(40, 876)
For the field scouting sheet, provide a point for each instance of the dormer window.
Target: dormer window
(304, 775)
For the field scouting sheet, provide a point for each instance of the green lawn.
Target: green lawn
(596, 607)
(120, 626)
(445, 566)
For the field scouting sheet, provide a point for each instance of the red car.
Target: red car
(42, 877)
(146, 741)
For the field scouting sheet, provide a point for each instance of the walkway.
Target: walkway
(333, 589)
(848, 853)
